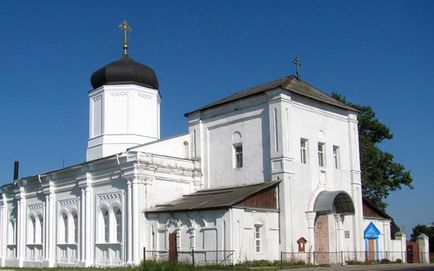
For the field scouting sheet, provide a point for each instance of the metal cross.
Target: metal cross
(125, 27)
(297, 67)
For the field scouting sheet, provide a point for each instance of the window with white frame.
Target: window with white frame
(258, 238)
(118, 220)
(105, 225)
(32, 230)
(11, 232)
(75, 222)
(41, 229)
(321, 154)
(238, 155)
(303, 150)
(65, 228)
(337, 157)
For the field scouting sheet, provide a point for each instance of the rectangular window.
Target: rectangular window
(303, 151)
(321, 154)
(336, 157)
(238, 156)
(258, 238)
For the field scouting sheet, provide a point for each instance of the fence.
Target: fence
(342, 257)
(194, 257)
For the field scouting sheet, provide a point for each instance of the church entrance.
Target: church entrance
(322, 240)
(173, 253)
(371, 250)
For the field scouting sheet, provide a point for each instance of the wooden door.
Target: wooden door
(371, 250)
(322, 240)
(173, 253)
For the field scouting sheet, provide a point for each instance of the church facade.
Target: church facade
(274, 168)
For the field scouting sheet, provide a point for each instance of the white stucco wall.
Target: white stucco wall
(177, 146)
(120, 117)
(271, 126)
(219, 234)
(130, 182)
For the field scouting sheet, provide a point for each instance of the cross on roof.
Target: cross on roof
(297, 67)
(125, 27)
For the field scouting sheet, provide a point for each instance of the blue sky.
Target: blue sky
(377, 53)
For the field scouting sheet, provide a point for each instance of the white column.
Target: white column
(52, 221)
(82, 241)
(129, 225)
(135, 220)
(310, 217)
(5, 224)
(46, 227)
(21, 219)
(339, 232)
(2, 228)
(89, 235)
(356, 183)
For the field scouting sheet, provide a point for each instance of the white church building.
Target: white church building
(270, 169)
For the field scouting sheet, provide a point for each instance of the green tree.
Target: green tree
(428, 230)
(380, 173)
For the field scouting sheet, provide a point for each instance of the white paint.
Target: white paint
(122, 116)
(130, 168)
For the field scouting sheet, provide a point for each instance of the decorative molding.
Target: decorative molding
(97, 98)
(36, 206)
(67, 202)
(111, 196)
(119, 94)
(144, 96)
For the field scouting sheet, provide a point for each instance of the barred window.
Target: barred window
(258, 240)
(238, 156)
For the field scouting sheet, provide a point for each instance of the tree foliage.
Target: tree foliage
(380, 173)
(428, 230)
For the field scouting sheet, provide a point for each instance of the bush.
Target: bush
(385, 261)
(354, 262)
(398, 261)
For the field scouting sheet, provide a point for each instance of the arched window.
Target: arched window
(75, 223)
(105, 224)
(41, 229)
(65, 227)
(118, 219)
(11, 233)
(32, 230)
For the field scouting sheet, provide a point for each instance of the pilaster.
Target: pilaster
(129, 224)
(86, 216)
(21, 221)
(50, 225)
(310, 218)
(339, 232)
(3, 224)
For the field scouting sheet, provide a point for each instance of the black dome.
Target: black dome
(124, 71)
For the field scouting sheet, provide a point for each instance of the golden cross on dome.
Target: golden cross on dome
(297, 63)
(125, 27)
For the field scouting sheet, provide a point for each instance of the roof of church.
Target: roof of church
(124, 71)
(370, 210)
(290, 83)
(216, 198)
